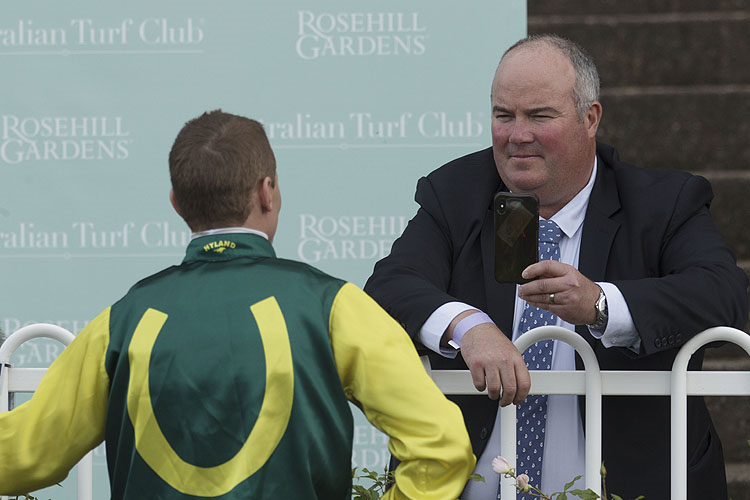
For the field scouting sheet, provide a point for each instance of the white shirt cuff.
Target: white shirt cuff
(432, 330)
(620, 330)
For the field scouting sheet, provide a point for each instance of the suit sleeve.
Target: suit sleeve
(42, 439)
(697, 284)
(382, 374)
(411, 283)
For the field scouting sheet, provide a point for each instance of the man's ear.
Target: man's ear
(173, 201)
(592, 118)
(265, 194)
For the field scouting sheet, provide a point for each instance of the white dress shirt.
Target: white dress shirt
(564, 447)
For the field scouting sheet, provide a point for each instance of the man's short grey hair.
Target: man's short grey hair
(586, 88)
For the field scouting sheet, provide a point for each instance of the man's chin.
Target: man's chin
(523, 179)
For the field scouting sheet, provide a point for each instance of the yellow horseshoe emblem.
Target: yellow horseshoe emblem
(272, 421)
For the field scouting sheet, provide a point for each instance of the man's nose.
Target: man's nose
(520, 132)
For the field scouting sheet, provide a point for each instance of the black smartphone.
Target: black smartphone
(516, 235)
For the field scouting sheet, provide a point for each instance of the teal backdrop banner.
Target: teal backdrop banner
(359, 100)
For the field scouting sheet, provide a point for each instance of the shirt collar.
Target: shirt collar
(570, 217)
(227, 230)
(229, 245)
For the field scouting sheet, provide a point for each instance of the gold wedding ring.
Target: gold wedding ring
(552, 298)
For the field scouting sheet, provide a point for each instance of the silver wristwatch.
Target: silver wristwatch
(602, 314)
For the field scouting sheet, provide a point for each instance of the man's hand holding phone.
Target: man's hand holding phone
(574, 294)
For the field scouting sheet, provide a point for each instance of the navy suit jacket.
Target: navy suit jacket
(647, 231)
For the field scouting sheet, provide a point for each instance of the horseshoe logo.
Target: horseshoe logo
(270, 426)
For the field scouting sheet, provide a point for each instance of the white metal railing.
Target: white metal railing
(27, 379)
(593, 383)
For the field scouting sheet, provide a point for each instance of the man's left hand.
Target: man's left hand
(561, 289)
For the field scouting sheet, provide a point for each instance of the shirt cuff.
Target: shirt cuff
(620, 330)
(432, 330)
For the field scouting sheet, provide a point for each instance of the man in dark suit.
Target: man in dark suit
(642, 270)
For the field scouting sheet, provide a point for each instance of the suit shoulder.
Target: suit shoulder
(469, 182)
(468, 169)
(631, 177)
(665, 184)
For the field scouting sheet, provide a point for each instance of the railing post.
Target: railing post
(34, 331)
(508, 449)
(679, 399)
(85, 476)
(4, 394)
(13, 342)
(677, 384)
(593, 407)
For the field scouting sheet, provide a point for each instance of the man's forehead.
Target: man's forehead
(533, 71)
(537, 57)
(536, 49)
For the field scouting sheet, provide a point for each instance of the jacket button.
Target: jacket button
(657, 342)
(670, 339)
(483, 434)
(678, 337)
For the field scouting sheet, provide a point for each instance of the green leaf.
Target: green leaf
(615, 497)
(587, 494)
(568, 485)
(477, 477)
(640, 497)
(562, 496)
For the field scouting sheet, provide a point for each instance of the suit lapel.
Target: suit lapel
(599, 229)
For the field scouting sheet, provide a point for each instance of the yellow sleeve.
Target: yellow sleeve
(382, 374)
(42, 439)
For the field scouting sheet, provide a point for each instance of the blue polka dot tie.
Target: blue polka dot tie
(531, 414)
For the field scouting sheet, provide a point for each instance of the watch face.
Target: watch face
(601, 309)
